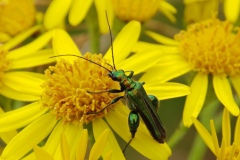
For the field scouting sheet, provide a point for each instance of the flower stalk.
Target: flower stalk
(93, 30)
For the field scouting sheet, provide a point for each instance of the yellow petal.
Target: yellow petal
(108, 156)
(63, 45)
(56, 13)
(214, 137)
(41, 154)
(186, 2)
(20, 117)
(170, 66)
(102, 7)
(143, 141)
(233, 151)
(4, 37)
(195, 99)
(37, 58)
(99, 145)
(224, 93)
(235, 81)
(54, 138)
(237, 131)
(64, 148)
(226, 128)
(141, 61)
(72, 133)
(35, 45)
(32, 134)
(168, 10)
(7, 136)
(168, 6)
(82, 145)
(161, 39)
(124, 42)
(120, 111)
(30, 156)
(26, 82)
(20, 37)
(222, 149)
(140, 46)
(78, 11)
(232, 9)
(204, 134)
(167, 90)
(98, 127)
(13, 94)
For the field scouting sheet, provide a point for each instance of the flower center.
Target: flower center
(140, 10)
(212, 46)
(66, 90)
(232, 151)
(4, 64)
(16, 16)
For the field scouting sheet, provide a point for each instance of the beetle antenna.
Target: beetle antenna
(81, 58)
(111, 40)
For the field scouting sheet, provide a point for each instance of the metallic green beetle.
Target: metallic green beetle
(137, 101)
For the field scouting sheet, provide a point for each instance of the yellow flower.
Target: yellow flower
(15, 16)
(225, 151)
(78, 11)
(198, 10)
(209, 48)
(16, 84)
(80, 147)
(142, 10)
(65, 100)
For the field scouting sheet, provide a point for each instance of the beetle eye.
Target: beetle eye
(114, 77)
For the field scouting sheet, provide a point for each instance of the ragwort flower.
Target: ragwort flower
(142, 10)
(15, 17)
(198, 10)
(17, 84)
(65, 101)
(227, 150)
(122, 8)
(96, 79)
(210, 47)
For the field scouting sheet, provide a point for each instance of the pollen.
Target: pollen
(68, 87)
(140, 10)
(4, 64)
(211, 47)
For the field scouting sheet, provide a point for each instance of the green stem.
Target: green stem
(93, 30)
(198, 149)
(177, 135)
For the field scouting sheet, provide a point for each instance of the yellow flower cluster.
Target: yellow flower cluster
(75, 73)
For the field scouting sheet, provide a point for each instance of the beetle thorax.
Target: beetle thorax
(127, 83)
